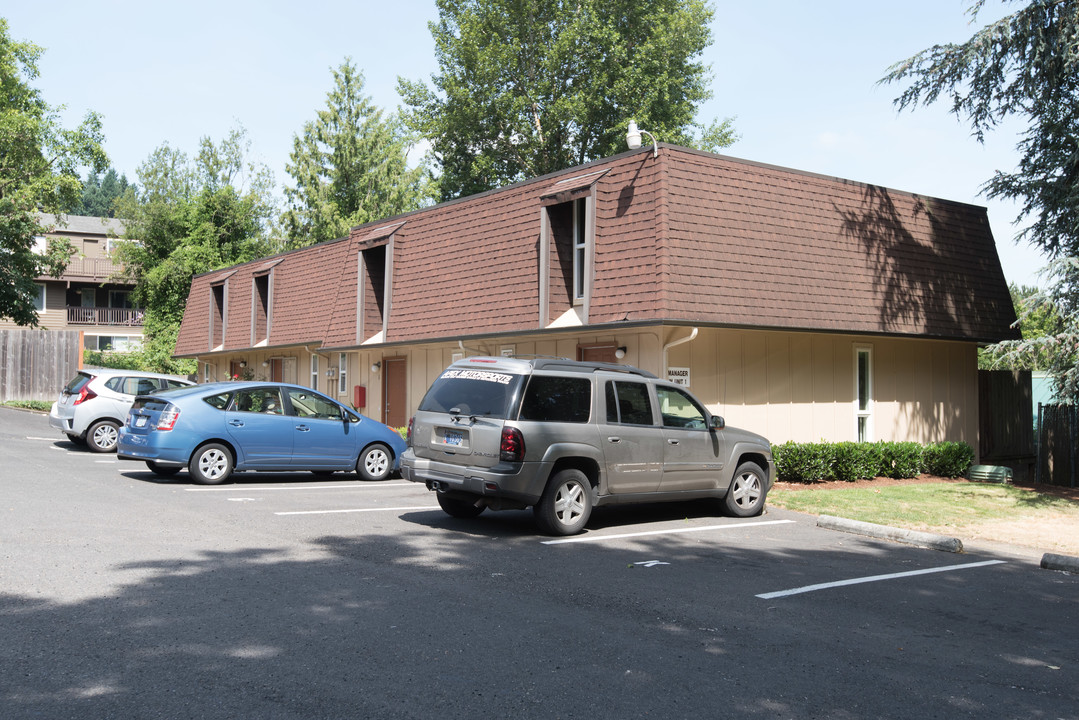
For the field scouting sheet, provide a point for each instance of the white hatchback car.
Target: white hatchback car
(94, 404)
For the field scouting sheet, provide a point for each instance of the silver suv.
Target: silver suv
(561, 437)
(94, 404)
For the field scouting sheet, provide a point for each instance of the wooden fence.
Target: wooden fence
(1058, 445)
(1006, 421)
(36, 364)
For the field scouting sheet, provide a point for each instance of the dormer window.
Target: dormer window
(374, 282)
(217, 316)
(566, 249)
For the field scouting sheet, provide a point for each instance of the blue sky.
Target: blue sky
(799, 77)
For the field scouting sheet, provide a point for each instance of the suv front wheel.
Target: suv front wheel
(745, 497)
(566, 503)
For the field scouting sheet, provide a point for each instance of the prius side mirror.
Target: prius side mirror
(718, 423)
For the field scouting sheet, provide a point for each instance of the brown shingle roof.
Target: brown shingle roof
(686, 237)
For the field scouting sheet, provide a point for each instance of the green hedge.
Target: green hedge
(850, 461)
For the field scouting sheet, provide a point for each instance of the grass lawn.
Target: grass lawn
(940, 507)
(40, 405)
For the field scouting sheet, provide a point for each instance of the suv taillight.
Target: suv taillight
(408, 435)
(168, 418)
(512, 448)
(84, 395)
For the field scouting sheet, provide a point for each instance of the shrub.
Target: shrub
(948, 459)
(803, 462)
(856, 461)
(901, 459)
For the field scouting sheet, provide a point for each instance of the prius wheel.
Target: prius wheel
(102, 436)
(746, 494)
(210, 465)
(162, 470)
(375, 462)
(566, 504)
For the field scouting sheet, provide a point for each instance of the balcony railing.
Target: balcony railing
(104, 316)
(96, 268)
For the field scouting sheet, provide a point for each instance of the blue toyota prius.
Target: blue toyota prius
(217, 428)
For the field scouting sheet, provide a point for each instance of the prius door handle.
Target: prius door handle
(672, 441)
(236, 423)
(614, 439)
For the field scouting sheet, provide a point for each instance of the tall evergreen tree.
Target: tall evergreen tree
(527, 87)
(349, 166)
(39, 171)
(99, 194)
(1026, 66)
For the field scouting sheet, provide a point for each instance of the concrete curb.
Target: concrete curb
(910, 537)
(1066, 563)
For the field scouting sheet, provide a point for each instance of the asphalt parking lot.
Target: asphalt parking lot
(288, 596)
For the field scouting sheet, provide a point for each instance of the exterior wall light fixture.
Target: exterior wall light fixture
(633, 138)
(376, 366)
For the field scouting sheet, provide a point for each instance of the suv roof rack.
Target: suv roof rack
(587, 367)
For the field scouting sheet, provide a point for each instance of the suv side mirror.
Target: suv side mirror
(718, 423)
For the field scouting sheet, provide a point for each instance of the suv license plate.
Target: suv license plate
(454, 437)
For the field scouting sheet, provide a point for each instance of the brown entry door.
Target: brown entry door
(394, 391)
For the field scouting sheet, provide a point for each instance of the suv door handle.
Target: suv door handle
(614, 439)
(672, 441)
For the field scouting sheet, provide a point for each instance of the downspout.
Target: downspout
(692, 336)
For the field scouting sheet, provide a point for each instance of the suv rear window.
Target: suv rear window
(557, 399)
(473, 392)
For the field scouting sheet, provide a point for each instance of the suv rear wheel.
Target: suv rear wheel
(455, 507)
(566, 503)
(746, 494)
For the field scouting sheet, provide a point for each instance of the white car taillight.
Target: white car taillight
(168, 418)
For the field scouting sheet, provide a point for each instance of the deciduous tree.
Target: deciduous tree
(39, 172)
(527, 87)
(187, 217)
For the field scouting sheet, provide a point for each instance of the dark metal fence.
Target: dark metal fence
(1058, 444)
(36, 364)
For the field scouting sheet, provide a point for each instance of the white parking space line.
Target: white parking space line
(357, 510)
(674, 531)
(48, 439)
(876, 578)
(253, 488)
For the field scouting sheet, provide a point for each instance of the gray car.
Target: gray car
(562, 437)
(94, 404)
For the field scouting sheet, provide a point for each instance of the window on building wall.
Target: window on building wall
(863, 394)
(342, 373)
(206, 375)
(261, 308)
(314, 372)
(580, 250)
(119, 299)
(218, 315)
(39, 299)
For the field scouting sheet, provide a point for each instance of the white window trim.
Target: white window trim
(581, 269)
(867, 413)
(314, 372)
(42, 298)
(342, 373)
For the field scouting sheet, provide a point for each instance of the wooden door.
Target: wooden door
(395, 391)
